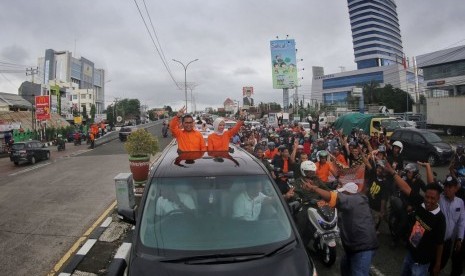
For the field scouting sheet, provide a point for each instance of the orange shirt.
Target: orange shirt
(187, 140)
(322, 171)
(218, 142)
(270, 154)
(341, 159)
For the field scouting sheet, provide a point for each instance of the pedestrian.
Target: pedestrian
(356, 226)
(427, 230)
(453, 209)
(187, 137)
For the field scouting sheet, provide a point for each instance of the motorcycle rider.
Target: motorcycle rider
(394, 156)
(308, 171)
(323, 167)
(401, 207)
(271, 151)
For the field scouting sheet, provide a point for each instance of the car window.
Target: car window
(211, 213)
(18, 146)
(417, 138)
(406, 136)
(432, 137)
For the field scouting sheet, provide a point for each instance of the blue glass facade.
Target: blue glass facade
(375, 32)
(356, 80)
(336, 98)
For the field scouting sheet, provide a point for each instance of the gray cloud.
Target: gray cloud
(230, 39)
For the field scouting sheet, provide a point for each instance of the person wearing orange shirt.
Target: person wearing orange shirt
(271, 152)
(340, 158)
(219, 139)
(187, 137)
(323, 167)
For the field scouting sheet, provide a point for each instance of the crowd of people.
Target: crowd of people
(364, 177)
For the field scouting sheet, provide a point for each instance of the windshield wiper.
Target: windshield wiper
(283, 248)
(216, 258)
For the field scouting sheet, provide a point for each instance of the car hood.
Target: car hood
(442, 145)
(292, 263)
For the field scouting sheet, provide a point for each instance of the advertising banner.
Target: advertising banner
(247, 100)
(42, 108)
(283, 61)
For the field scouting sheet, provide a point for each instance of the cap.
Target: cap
(450, 181)
(350, 187)
(300, 146)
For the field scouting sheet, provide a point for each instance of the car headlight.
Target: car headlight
(438, 149)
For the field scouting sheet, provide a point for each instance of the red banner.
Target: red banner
(43, 107)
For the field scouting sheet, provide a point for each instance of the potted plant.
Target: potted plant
(140, 145)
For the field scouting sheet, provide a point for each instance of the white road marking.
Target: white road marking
(31, 168)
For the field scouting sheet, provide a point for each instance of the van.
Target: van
(196, 217)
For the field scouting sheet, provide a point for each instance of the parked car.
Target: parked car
(407, 124)
(422, 145)
(192, 219)
(28, 151)
(125, 131)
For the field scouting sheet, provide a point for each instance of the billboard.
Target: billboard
(283, 61)
(42, 107)
(247, 100)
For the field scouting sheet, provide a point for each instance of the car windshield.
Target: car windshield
(213, 213)
(390, 124)
(18, 146)
(432, 137)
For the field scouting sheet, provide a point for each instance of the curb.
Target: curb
(85, 248)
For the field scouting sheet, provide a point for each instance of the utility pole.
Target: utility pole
(31, 72)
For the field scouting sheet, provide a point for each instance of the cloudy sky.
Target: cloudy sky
(229, 37)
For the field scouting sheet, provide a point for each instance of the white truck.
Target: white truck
(447, 113)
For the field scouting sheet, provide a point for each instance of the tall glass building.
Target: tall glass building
(375, 33)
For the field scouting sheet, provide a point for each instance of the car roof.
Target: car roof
(206, 164)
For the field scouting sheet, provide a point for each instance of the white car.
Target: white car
(407, 124)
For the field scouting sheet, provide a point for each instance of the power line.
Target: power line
(154, 44)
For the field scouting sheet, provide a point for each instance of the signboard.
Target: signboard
(357, 92)
(78, 120)
(283, 61)
(100, 117)
(42, 104)
(247, 100)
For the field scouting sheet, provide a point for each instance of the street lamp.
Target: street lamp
(185, 76)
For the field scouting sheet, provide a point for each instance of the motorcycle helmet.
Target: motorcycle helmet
(306, 167)
(320, 154)
(398, 144)
(411, 167)
(271, 145)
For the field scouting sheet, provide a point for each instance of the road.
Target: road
(46, 208)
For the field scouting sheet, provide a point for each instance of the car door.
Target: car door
(420, 147)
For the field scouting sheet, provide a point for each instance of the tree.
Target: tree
(84, 112)
(92, 113)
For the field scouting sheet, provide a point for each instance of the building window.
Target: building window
(453, 69)
(357, 80)
(90, 96)
(75, 97)
(83, 96)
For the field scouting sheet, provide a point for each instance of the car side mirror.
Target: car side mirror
(127, 215)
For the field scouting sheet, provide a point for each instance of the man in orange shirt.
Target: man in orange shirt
(219, 139)
(323, 167)
(188, 138)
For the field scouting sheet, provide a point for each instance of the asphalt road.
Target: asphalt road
(46, 207)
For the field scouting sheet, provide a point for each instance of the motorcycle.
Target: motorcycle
(61, 145)
(164, 131)
(317, 224)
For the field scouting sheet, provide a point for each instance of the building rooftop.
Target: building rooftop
(14, 101)
(442, 56)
